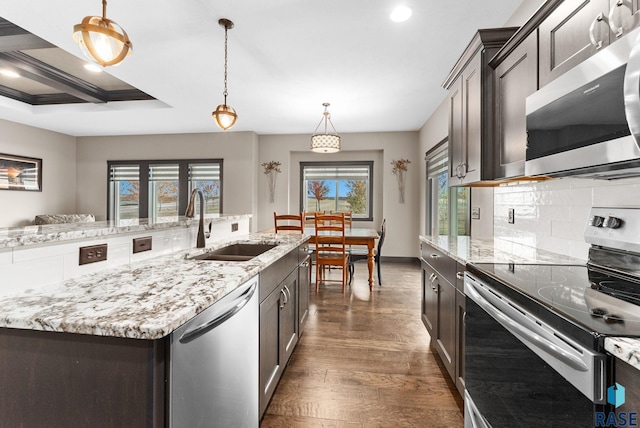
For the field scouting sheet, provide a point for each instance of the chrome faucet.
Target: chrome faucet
(200, 241)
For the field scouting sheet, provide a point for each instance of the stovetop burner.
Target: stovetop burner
(596, 301)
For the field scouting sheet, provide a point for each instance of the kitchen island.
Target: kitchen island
(93, 350)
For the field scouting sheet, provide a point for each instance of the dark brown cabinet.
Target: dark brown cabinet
(470, 86)
(515, 78)
(441, 310)
(571, 33)
(304, 271)
(460, 342)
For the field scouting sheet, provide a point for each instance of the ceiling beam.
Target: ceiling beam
(41, 72)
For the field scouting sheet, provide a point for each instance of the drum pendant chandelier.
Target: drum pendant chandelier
(102, 40)
(325, 143)
(225, 115)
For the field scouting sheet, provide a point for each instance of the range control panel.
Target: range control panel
(614, 228)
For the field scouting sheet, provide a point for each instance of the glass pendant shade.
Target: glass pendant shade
(325, 143)
(225, 116)
(102, 40)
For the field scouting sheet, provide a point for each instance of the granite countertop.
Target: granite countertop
(51, 233)
(625, 348)
(143, 300)
(466, 249)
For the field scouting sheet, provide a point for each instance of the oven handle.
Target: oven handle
(632, 92)
(483, 297)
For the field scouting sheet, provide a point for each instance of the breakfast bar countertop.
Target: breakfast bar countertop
(142, 300)
(53, 233)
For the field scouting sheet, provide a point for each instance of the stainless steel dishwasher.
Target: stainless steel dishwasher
(213, 364)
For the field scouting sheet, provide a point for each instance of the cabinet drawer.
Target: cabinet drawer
(444, 264)
(273, 275)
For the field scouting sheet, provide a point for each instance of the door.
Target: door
(429, 300)
(445, 337)
(303, 293)
(288, 317)
(515, 79)
(565, 36)
(270, 349)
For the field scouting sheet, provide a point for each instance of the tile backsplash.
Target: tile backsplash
(552, 214)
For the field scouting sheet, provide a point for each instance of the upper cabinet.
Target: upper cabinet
(577, 29)
(470, 86)
(515, 78)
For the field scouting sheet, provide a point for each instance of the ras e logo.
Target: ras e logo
(615, 397)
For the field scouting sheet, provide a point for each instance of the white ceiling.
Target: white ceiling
(286, 57)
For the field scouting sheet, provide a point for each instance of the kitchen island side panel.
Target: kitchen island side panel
(72, 380)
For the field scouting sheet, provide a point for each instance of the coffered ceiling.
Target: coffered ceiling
(286, 57)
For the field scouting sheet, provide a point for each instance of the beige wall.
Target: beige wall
(238, 149)
(381, 148)
(58, 155)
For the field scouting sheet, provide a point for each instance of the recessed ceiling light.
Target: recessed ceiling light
(9, 73)
(93, 67)
(401, 14)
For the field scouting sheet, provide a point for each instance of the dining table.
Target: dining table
(355, 236)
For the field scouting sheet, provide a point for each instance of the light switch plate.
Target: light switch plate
(511, 216)
(475, 213)
(142, 244)
(234, 227)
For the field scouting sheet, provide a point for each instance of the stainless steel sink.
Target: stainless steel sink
(236, 252)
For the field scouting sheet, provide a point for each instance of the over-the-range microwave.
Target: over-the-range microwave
(587, 121)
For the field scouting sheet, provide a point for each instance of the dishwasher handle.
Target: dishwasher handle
(240, 303)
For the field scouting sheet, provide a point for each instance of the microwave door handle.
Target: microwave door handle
(632, 92)
(524, 333)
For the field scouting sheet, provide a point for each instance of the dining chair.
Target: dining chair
(330, 247)
(363, 254)
(348, 217)
(293, 222)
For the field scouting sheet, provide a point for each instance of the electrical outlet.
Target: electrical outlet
(475, 213)
(234, 227)
(93, 253)
(511, 216)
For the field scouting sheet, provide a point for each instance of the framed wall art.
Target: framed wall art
(20, 173)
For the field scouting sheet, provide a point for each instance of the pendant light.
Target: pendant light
(225, 115)
(102, 40)
(325, 143)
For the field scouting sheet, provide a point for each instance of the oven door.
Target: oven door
(516, 376)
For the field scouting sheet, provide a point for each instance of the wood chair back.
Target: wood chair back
(330, 246)
(290, 222)
(348, 217)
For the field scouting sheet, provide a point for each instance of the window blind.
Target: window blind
(438, 162)
(164, 172)
(204, 172)
(356, 172)
(125, 173)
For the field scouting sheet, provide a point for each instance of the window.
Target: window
(337, 186)
(159, 190)
(447, 207)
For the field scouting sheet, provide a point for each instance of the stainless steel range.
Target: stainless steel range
(535, 333)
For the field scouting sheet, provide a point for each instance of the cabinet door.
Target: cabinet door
(270, 350)
(515, 79)
(456, 143)
(429, 300)
(465, 125)
(624, 16)
(472, 125)
(288, 317)
(445, 337)
(460, 311)
(564, 36)
(303, 294)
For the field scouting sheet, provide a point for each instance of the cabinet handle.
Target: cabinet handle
(460, 275)
(463, 170)
(592, 37)
(288, 293)
(434, 256)
(431, 277)
(617, 30)
(284, 298)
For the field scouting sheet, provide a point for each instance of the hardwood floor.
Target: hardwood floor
(364, 360)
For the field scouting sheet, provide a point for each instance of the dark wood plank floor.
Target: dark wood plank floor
(364, 361)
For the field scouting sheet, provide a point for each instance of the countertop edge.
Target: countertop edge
(624, 348)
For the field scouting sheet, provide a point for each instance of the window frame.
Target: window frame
(183, 182)
(338, 164)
